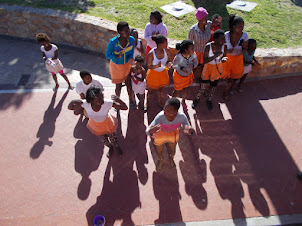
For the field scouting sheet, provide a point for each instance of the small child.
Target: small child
(87, 81)
(139, 49)
(216, 24)
(153, 28)
(50, 56)
(164, 129)
(100, 123)
(249, 61)
(138, 83)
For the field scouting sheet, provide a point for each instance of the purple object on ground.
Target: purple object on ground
(99, 220)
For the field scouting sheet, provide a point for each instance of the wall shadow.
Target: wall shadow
(47, 128)
(88, 155)
(248, 149)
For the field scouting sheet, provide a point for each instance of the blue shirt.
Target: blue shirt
(115, 48)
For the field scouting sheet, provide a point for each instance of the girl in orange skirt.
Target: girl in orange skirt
(100, 123)
(157, 74)
(184, 63)
(237, 42)
(214, 56)
(165, 129)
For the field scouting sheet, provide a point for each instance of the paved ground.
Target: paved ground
(242, 163)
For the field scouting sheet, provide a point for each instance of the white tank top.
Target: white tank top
(156, 61)
(217, 59)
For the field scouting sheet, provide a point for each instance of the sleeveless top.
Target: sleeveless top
(156, 60)
(217, 59)
(237, 50)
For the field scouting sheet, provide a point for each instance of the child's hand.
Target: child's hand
(154, 129)
(189, 130)
(219, 19)
(169, 65)
(118, 56)
(115, 98)
(224, 59)
(154, 33)
(185, 70)
(159, 64)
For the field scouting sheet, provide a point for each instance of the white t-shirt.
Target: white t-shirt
(102, 114)
(81, 87)
(237, 50)
(50, 53)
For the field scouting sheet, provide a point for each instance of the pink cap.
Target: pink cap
(201, 13)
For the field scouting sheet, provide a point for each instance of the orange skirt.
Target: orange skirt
(181, 82)
(156, 79)
(199, 57)
(119, 72)
(233, 67)
(212, 72)
(102, 128)
(161, 137)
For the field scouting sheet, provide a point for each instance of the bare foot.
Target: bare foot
(159, 165)
(56, 87)
(172, 163)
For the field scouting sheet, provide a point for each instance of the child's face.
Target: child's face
(238, 28)
(134, 34)
(138, 64)
(153, 20)
(98, 100)
(220, 40)
(87, 79)
(190, 50)
(45, 43)
(215, 22)
(252, 46)
(170, 113)
(163, 45)
(125, 32)
(203, 21)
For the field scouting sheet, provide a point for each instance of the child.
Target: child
(138, 75)
(184, 63)
(120, 53)
(164, 129)
(158, 64)
(153, 28)
(249, 61)
(50, 56)
(100, 123)
(213, 57)
(139, 49)
(87, 81)
(216, 24)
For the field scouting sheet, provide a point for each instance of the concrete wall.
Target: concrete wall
(93, 33)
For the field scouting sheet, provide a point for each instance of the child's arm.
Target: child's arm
(256, 61)
(118, 104)
(56, 55)
(76, 106)
(170, 58)
(110, 52)
(149, 61)
(44, 56)
(141, 50)
(206, 58)
(82, 96)
(224, 57)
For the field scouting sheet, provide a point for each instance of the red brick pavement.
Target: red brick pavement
(54, 172)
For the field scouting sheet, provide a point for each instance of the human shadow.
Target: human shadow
(88, 155)
(297, 2)
(247, 149)
(119, 196)
(47, 128)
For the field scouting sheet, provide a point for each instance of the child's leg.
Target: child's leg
(239, 89)
(149, 95)
(118, 88)
(159, 151)
(129, 89)
(105, 140)
(160, 98)
(212, 89)
(200, 92)
(228, 87)
(66, 79)
(113, 139)
(141, 99)
(172, 150)
(54, 76)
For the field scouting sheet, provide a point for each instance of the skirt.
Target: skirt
(161, 137)
(199, 57)
(247, 69)
(156, 79)
(119, 72)
(101, 128)
(233, 67)
(58, 68)
(212, 72)
(138, 88)
(181, 82)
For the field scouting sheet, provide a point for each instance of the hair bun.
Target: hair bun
(178, 46)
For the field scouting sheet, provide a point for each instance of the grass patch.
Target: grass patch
(274, 23)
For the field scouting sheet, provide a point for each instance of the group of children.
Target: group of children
(214, 53)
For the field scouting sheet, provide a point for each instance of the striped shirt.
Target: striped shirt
(200, 38)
